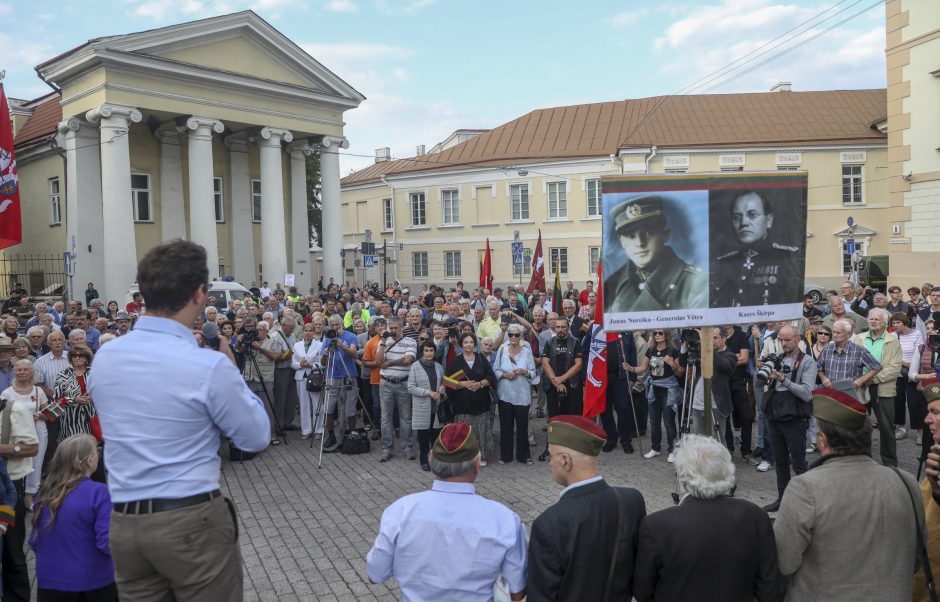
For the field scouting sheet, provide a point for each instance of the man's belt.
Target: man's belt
(394, 381)
(163, 505)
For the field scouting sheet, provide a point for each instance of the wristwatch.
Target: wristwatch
(16, 450)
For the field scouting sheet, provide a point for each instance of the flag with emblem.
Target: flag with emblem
(556, 290)
(537, 282)
(451, 381)
(53, 410)
(595, 386)
(486, 272)
(11, 227)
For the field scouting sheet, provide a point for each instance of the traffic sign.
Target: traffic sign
(368, 261)
(517, 252)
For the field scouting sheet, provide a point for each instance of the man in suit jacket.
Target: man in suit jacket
(724, 361)
(583, 547)
(711, 546)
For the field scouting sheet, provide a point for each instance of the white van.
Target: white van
(224, 293)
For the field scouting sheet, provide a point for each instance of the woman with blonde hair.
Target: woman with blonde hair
(70, 528)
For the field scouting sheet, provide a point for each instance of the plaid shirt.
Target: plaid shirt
(848, 363)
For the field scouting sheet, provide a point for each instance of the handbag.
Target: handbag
(445, 410)
(356, 442)
(921, 546)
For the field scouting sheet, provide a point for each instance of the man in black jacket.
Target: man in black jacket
(711, 546)
(724, 361)
(583, 548)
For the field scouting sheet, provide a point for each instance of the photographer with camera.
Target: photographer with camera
(872, 297)
(267, 350)
(394, 356)
(790, 378)
(341, 375)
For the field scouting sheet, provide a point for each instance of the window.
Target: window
(518, 202)
(594, 255)
(419, 265)
(558, 256)
(419, 210)
(451, 206)
(55, 209)
(852, 184)
(733, 168)
(557, 200)
(140, 196)
(217, 197)
(256, 201)
(452, 264)
(387, 223)
(593, 198)
(847, 258)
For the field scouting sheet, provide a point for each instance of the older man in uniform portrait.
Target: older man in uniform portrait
(654, 277)
(759, 272)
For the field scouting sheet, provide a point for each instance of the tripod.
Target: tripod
(253, 362)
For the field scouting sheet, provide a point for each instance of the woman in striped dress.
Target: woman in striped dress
(71, 385)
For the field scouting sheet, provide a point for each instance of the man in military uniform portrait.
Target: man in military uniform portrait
(760, 269)
(654, 277)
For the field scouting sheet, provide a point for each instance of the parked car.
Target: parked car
(224, 292)
(817, 291)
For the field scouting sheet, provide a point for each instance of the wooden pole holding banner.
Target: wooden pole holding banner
(708, 368)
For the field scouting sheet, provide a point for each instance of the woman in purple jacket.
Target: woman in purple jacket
(70, 528)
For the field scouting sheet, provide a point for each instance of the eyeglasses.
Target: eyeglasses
(823, 333)
(659, 333)
(514, 335)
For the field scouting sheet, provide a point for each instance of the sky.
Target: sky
(429, 67)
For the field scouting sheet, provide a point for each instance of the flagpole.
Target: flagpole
(636, 423)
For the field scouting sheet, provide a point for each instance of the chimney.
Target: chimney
(782, 87)
(383, 154)
(419, 151)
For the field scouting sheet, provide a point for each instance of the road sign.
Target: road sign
(368, 261)
(517, 253)
(850, 246)
(69, 266)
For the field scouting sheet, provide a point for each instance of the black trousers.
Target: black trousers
(570, 403)
(789, 444)
(15, 573)
(425, 437)
(513, 420)
(107, 593)
(618, 400)
(742, 418)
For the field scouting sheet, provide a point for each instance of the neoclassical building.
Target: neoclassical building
(198, 130)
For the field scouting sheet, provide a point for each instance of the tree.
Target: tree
(314, 195)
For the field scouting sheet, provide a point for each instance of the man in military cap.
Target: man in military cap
(930, 488)
(759, 272)
(654, 277)
(583, 547)
(416, 540)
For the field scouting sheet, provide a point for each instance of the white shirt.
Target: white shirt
(394, 351)
(580, 484)
(311, 354)
(265, 292)
(22, 430)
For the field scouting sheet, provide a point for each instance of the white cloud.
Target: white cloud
(342, 6)
(396, 6)
(626, 18)
(368, 67)
(850, 56)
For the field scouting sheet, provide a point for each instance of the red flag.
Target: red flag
(595, 388)
(537, 282)
(11, 228)
(486, 274)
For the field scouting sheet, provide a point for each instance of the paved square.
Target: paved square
(305, 532)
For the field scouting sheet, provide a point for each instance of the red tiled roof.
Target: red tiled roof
(708, 120)
(47, 113)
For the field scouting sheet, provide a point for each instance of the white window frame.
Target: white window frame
(418, 209)
(452, 264)
(55, 202)
(218, 199)
(732, 168)
(593, 207)
(255, 217)
(594, 255)
(415, 264)
(678, 171)
(556, 194)
(853, 180)
(562, 254)
(450, 207)
(388, 215)
(134, 200)
(523, 202)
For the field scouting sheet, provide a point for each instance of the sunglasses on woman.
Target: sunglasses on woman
(659, 333)
(514, 335)
(823, 333)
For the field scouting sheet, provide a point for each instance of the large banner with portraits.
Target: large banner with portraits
(690, 250)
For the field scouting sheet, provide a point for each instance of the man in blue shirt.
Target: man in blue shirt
(339, 357)
(163, 403)
(86, 323)
(450, 543)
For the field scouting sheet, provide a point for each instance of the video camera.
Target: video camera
(377, 293)
(331, 334)
(771, 362)
(693, 343)
(248, 335)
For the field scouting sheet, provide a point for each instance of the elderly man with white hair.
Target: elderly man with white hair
(886, 348)
(77, 336)
(713, 544)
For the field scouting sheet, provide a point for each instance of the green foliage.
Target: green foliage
(314, 208)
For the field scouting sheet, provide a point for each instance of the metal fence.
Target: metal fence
(40, 275)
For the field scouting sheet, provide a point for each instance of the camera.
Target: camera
(248, 335)
(452, 332)
(505, 318)
(385, 335)
(378, 294)
(771, 362)
(693, 343)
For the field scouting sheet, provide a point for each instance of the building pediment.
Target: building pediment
(858, 231)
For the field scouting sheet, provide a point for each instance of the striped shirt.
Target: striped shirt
(394, 351)
(848, 363)
(48, 367)
(910, 345)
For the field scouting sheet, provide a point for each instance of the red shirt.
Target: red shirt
(583, 297)
(134, 308)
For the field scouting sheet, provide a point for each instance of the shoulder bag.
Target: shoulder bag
(921, 546)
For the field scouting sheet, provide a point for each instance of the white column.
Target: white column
(273, 232)
(84, 230)
(202, 228)
(172, 216)
(300, 227)
(331, 208)
(243, 246)
(119, 240)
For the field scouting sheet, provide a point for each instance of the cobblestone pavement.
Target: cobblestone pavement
(305, 532)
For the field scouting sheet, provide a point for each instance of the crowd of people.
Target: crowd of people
(405, 363)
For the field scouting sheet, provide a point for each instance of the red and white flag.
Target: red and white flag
(595, 388)
(11, 227)
(537, 282)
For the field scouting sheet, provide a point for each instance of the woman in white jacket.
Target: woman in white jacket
(306, 358)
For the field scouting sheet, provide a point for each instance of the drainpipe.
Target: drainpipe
(650, 158)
